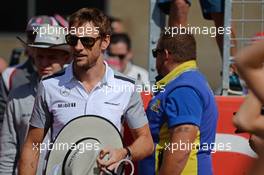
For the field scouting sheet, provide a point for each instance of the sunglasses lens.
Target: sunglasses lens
(87, 42)
(121, 57)
(71, 39)
(111, 54)
(154, 53)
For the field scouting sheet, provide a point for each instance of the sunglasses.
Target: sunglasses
(87, 42)
(156, 51)
(120, 56)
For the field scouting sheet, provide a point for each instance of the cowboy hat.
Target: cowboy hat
(78, 144)
(49, 37)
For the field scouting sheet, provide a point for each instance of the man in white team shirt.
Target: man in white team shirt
(81, 90)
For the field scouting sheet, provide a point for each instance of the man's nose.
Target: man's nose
(45, 62)
(78, 46)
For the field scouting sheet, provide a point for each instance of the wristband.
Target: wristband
(129, 156)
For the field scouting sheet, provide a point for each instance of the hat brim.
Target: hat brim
(63, 47)
(24, 44)
(89, 129)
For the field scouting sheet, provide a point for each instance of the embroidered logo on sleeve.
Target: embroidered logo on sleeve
(155, 106)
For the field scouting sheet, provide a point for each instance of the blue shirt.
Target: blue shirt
(187, 99)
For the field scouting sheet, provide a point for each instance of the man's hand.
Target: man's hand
(109, 157)
(256, 143)
(141, 147)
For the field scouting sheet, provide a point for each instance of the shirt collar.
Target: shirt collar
(108, 78)
(186, 66)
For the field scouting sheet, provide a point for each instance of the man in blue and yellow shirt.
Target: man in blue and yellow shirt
(182, 114)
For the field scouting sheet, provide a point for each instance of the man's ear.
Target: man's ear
(105, 42)
(167, 55)
(130, 55)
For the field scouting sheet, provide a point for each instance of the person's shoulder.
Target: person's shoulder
(53, 81)
(191, 77)
(54, 76)
(22, 92)
(183, 91)
(8, 72)
(139, 69)
(15, 71)
(123, 78)
(8, 75)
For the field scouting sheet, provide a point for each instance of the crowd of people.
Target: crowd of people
(67, 75)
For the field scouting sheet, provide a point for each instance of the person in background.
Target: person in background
(258, 37)
(18, 75)
(120, 51)
(116, 25)
(249, 117)
(3, 64)
(49, 57)
(178, 11)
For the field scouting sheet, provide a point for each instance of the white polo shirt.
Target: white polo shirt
(61, 98)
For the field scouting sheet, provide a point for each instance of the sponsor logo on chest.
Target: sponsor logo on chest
(67, 105)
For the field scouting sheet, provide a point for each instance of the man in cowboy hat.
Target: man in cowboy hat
(49, 53)
(88, 86)
(18, 75)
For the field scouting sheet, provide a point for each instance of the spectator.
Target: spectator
(255, 39)
(116, 25)
(48, 57)
(120, 50)
(3, 64)
(249, 62)
(182, 112)
(249, 119)
(16, 76)
(212, 10)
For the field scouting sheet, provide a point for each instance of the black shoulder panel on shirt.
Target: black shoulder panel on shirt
(124, 78)
(60, 73)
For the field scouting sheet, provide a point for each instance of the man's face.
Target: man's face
(86, 57)
(160, 61)
(120, 52)
(117, 27)
(49, 61)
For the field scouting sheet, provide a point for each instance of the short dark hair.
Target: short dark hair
(121, 37)
(97, 17)
(114, 19)
(182, 46)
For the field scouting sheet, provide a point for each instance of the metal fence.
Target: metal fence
(247, 27)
